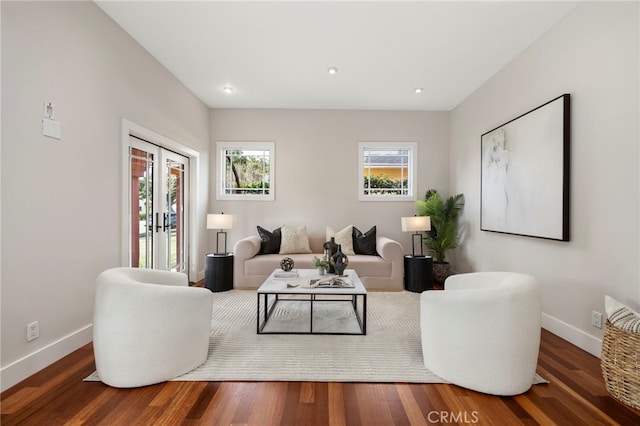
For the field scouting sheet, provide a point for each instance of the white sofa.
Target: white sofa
(382, 272)
(149, 326)
(483, 331)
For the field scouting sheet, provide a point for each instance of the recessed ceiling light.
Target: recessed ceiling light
(332, 70)
(227, 89)
(418, 90)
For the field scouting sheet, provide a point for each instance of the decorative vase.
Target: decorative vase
(320, 270)
(330, 248)
(339, 260)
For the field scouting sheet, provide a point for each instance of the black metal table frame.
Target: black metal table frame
(268, 310)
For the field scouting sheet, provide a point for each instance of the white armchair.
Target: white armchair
(149, 326)
(483, 331)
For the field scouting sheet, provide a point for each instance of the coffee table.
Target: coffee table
(275, 292)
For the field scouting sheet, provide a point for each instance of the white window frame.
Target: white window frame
(412, 174)
(222, 147)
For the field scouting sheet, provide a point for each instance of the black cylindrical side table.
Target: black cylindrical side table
(418, 273)
(218, 272)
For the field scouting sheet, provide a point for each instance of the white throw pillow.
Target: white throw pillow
(294, 241)
(344, 237)
(621, 316)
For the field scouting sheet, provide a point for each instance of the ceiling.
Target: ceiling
(277, 54)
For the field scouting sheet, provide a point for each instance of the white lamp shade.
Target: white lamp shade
(416, 223)
(219, 221)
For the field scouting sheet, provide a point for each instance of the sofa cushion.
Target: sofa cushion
(343, 237)
(294, 240)
(370, 266)
(270, 240)
(364, 243)
(366, 266)
(266, 264)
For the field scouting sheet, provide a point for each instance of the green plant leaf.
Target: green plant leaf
(444, 214)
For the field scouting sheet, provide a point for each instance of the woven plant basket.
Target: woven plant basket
(620, 361)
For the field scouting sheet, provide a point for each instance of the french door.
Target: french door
(158, 216)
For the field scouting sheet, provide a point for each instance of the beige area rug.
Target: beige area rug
(390, 352)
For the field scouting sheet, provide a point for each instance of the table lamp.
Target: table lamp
(416, 224)
(220, 221)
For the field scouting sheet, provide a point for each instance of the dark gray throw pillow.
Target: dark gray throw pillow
(270, 241)
(364, 243)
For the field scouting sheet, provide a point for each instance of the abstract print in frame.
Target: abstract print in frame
(525, 173)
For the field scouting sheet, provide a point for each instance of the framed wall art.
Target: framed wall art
(525, 169)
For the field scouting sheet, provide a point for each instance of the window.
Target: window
(246, 171)
(388, 171)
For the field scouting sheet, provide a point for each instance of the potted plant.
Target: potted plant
(320, 264)
(444, 234)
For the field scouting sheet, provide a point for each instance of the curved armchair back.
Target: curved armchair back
(149, 326)
(141, 275)
(483, 331)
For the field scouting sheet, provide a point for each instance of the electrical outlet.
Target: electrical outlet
(596, 319)
(33, 331)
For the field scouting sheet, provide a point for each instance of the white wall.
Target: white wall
(593, 55)
(317, 166)
(61, 199)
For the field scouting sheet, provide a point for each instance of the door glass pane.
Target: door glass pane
(174, 216)
(142, 219)
(158, 207)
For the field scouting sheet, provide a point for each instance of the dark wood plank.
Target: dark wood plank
(57, 395)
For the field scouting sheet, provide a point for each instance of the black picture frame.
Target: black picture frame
(525, 173)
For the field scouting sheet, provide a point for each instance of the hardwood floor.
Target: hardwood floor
(57, 395)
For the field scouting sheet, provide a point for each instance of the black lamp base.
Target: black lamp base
(413, 244)
(218, 235)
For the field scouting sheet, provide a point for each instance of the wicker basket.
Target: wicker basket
(620, 361)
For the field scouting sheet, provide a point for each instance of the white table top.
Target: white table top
(279, 285)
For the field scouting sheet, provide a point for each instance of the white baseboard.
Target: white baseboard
(19, 370)
(573, 335)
